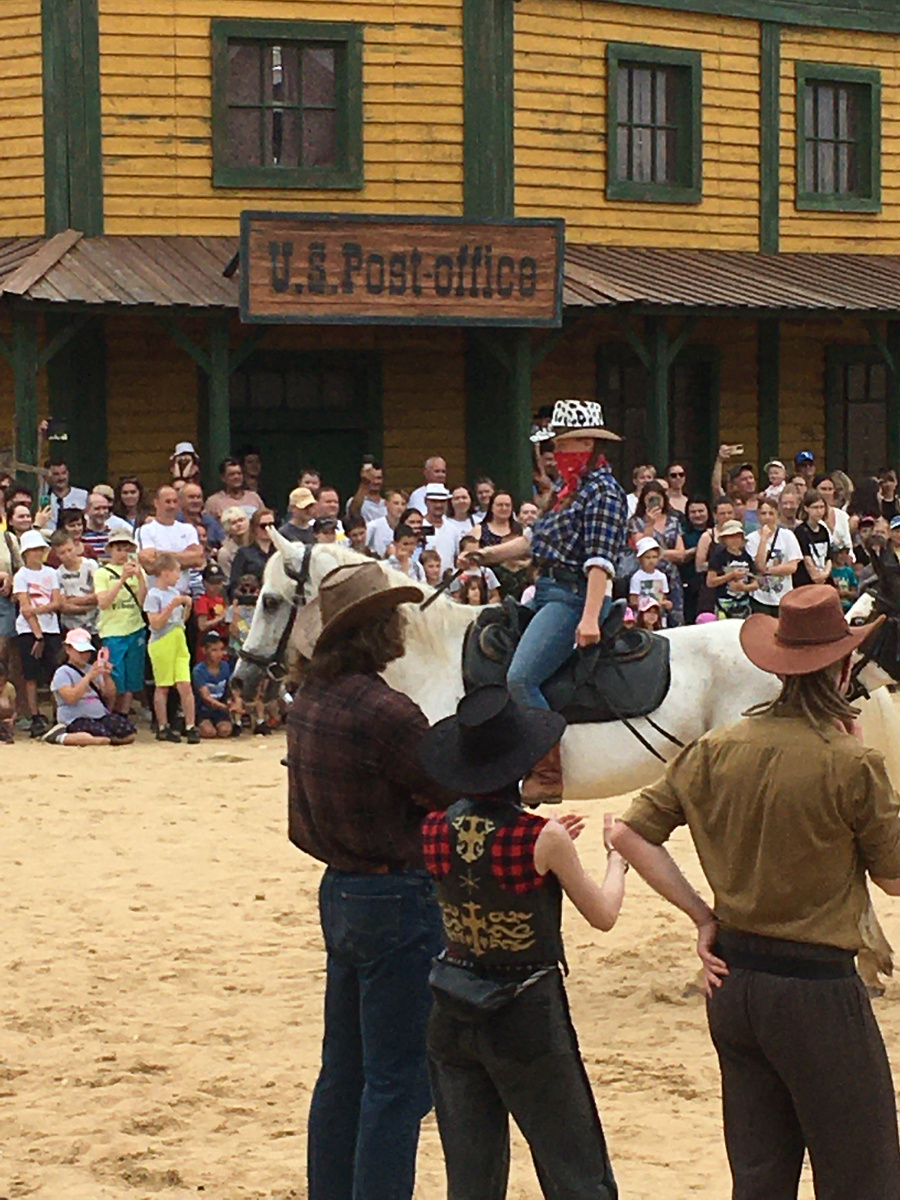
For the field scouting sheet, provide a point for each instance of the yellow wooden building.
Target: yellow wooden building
(728, 172)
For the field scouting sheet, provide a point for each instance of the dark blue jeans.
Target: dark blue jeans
(381, 933)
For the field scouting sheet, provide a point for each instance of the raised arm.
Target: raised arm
(599, 904)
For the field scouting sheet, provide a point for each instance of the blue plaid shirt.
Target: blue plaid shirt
(590, 531)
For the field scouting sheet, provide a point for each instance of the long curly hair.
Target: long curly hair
(366, 650)
(817, 696)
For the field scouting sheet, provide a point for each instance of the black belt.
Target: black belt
(790, 960)
(561, 574)
(504, 972)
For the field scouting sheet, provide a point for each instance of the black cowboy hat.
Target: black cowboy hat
(490, 743)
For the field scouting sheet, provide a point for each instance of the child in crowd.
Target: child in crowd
(325, 530)
(211, 608)
(649, 614)
(246, 595)
(402, 555)
(355, 530)
(430, 561)
(211, 678)
(648, 580)
(731, 574)
(167, 611)
(121, 589)
(7, 704)
(76, 582)
(37, 592)
(776, 473)
(84, 692)
(471, 589)
(845, 577)
(459, 587)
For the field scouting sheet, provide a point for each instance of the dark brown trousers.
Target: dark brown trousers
(804, 1067)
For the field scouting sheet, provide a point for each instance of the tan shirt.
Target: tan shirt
(785, 824)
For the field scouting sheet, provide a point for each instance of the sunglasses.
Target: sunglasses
(676, 474)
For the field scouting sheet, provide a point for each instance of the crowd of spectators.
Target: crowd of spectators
(163, 586)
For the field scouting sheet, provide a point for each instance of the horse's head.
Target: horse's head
(879, 661)
(291, 581)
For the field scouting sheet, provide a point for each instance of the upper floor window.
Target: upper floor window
(654, 128)
(287, 104)
(838, 138)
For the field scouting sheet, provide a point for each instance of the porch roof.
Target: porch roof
(187, 272)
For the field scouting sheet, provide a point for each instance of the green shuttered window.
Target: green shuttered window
(838, 138)
(654, 124)
(287, 104)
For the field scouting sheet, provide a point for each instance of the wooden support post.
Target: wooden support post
(769, 135)
(657, 342)
(768, 373)
(219, 403)
(893, 400)
(25, 358)
(520, 470)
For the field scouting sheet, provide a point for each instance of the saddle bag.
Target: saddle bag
(467, 996)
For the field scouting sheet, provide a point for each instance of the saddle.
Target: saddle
(625, 675)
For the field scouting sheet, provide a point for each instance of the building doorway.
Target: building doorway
(857, 427)
(623, 386)
(319, 410)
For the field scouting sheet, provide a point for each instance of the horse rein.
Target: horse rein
(272, 663)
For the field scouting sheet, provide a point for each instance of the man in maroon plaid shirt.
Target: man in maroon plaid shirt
(357, 800)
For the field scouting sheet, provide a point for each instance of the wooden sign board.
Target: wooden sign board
(338, 270)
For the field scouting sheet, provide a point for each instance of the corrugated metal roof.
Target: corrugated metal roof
(644, 277)
(187, 272)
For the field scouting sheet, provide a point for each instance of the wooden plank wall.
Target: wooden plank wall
(561, 123)
(153, 393)
(875, 233)
(155, 67)
(21, 119)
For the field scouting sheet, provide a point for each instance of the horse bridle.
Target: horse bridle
(272, 663)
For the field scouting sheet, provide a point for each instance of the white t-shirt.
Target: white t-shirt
(79, 583)
(39, 585)
(379, 536)
(75, 498)
(370, 510)
(466, 525)
(785, 548)
(168, 539)
(648, 583)
(446, 541)
(840, 535)
(632, 501)
(417, 499)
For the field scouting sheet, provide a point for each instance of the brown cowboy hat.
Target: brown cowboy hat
(809, 634)
(349, 596)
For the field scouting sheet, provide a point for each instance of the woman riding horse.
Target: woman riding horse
(575, 544)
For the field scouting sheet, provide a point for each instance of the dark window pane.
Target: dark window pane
(282, 137)
(856, 381)
(662, 97)
(303, 389)
(826, 180)
(642, 156)
(339, 389)
(826, 112)
(809, 166)
(809, 111)
(642, 95)
(266, 389)
(319, 77)
(244, 73)
(244, 140)
(622, 162)
(319, 140)
(622, 80)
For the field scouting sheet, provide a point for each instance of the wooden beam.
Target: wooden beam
(769, 136)
(25, 354)
(61, 338)
(181, 339)
(643, 354)
(657, 340)
(768, 358)
(521, 469)
(219, 372)
(37, 265)
(681, 340)
(246, 348)
(6, 351)
(882, 346)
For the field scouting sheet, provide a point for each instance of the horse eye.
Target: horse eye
(270, 603)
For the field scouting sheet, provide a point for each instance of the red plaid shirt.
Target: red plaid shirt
(511, 850)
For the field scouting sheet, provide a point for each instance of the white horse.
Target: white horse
(712, 680)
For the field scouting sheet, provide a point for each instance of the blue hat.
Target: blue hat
(895, 522)
(805, 456)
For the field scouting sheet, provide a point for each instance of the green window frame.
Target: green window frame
(346, 41)
(663, 123)
(838, 134)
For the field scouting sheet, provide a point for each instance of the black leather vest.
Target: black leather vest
(486, 924)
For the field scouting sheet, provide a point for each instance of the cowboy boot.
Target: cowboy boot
(544, 783)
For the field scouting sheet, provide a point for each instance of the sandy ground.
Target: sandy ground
(162, 983)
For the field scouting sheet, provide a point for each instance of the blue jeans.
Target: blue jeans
(381, 933)
(549, 639)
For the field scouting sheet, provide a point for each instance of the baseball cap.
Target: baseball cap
(731, 529)
(301, 497)
(79, 639)
(214, 573)
(647, 601)
(121, 535)
(324, 525)
(437, 491)
(895, 522)
(804, 456)
(211, 636)
(644, 545)
(32, 539)
(867, 519)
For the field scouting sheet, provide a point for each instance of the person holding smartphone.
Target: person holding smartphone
(84, 693)
(654, 518)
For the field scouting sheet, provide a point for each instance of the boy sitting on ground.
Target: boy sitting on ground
(83, 691)
(210, 679)
(167, 611)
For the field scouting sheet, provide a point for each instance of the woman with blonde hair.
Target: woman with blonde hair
(236, 524)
